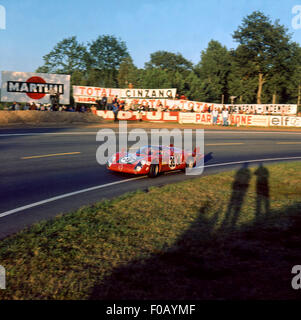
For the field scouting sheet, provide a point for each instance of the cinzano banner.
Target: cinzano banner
(148, 93)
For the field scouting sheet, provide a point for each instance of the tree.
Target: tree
(242, 80)
(127, 73)
(107, 52)
(265, 44)
(167, 70)
(192, 87)
(213, 70)
(155, 78)
(106, 55)
(66, 57)
(293, 84)
(169, 61)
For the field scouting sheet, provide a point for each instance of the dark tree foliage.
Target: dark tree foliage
(267, 49)
(213, 71)
(169, 61)
(66, 57)
(264, 68)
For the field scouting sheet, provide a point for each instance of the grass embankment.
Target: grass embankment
(234, 235)
(8, 118)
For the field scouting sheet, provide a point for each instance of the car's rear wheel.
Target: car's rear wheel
(153, 171)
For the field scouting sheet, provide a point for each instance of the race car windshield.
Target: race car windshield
(145, 151)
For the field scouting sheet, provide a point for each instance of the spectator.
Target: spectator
(140, 109)
(52, 97)
(215, 116)
(33, 107)
(104, 101)
(109, 102)
(14, 106)
(225, 115)
(115, 100)
(115, 109)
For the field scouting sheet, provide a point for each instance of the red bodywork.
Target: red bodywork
(168, 159)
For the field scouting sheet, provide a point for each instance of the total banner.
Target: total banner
(174, 104)
(90, 95)
(34, 87)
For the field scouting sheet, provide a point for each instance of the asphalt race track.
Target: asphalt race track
(45, 172)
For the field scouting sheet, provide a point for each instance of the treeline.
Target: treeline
(264, 68)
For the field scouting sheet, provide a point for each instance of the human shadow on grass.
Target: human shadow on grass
(262, 192)
(209, 262)
(240, 188)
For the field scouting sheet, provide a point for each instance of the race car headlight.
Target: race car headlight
(139, 165)
(111, 160)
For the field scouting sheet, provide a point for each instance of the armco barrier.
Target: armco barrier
(203, 118)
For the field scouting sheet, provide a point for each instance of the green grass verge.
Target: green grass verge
(206, 238)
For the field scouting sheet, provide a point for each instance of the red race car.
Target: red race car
(152, 160)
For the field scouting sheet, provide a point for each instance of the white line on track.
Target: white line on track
(66, 195)
(148, 130)
(251, 161)
(254, 132)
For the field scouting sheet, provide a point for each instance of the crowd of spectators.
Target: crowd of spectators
(115, 104)
(46, 107)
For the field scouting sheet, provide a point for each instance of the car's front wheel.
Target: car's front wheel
(153, 171)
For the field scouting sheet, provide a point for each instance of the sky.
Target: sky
(34, 27)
